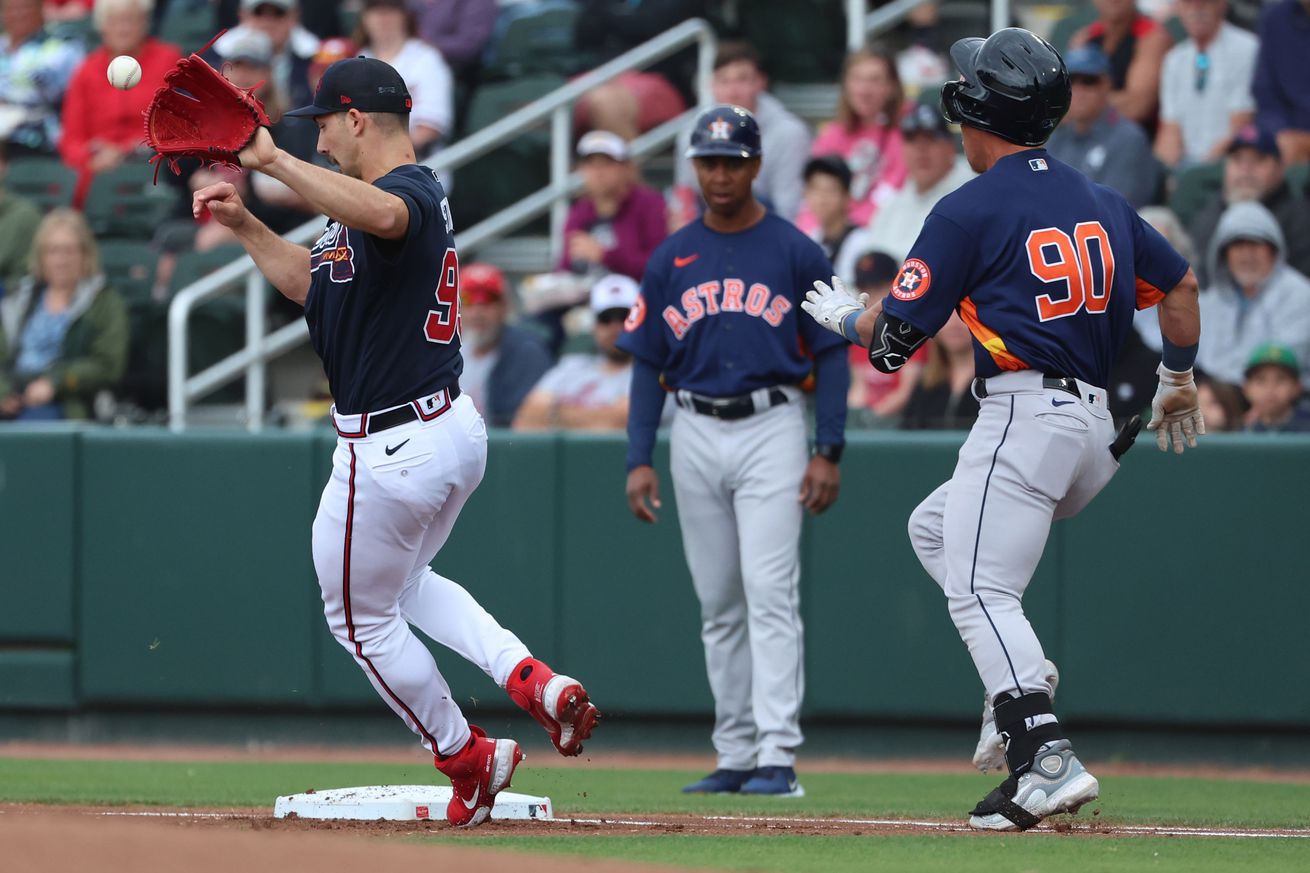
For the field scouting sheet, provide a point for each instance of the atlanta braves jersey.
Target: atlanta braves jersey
(1050, 282)
(384, 314)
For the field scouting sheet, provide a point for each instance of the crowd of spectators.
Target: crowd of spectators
(1195, 112)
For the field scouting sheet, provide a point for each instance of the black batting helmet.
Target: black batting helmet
(1015, 85)
(725, 131)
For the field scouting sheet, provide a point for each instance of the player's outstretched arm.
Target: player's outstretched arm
(354, 203)
(1175, 410)
(284, 264)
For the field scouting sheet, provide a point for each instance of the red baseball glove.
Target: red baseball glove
(197, 113)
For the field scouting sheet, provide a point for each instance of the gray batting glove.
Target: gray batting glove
(830, 306)
(1176, 411)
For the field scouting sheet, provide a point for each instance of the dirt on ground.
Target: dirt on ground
(41, 839)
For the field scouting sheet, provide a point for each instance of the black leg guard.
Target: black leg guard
(1021, 743)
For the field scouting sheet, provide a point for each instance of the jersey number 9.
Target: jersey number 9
(1055, 257)
(443, 322)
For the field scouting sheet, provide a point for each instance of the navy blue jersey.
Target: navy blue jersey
(719, 313)
(1044, 266)
(384, 314)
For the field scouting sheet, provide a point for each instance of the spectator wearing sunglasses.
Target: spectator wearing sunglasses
(1096, 140)
(1205, 90)
(294, 47)
(588, 392)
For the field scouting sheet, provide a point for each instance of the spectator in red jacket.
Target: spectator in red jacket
(617, 222)
(102, 125)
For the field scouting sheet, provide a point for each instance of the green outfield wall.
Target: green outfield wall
(142, 568)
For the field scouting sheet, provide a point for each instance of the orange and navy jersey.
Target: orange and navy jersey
(1044, 266)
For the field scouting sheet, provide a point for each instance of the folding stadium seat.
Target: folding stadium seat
(129, 267)
(47, 182)
(533, 38)
(125, 202)
(1193, 187)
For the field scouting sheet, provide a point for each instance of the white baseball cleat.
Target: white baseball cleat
(989, 755)
(1057, 782)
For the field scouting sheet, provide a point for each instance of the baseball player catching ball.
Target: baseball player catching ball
(718, 323)
(381, 295)
(1046, 268)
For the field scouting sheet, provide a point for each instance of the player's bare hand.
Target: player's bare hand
(1175, 411)
(39, 392)
(830, 305)
(820, 486)
(260, 152)
(223, 202)
(643, 493)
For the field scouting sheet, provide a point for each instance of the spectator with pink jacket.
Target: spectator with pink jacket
(866, 133)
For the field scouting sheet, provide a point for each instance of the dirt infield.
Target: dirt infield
(68, 840)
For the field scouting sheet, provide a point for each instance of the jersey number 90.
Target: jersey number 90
(443, 322)
(1053, 256)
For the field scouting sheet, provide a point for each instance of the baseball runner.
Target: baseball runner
(1046, 268)
(717, 323)
(381, 295)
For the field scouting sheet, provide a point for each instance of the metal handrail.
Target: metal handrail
(555, 106)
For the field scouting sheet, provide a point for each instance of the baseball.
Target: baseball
(124, 72)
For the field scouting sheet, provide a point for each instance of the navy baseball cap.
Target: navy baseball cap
(1253, 137)
(923, 118)
(366, 84)
(1087, 61)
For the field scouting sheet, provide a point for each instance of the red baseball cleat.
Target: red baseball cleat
(559, 704)
(478, 773)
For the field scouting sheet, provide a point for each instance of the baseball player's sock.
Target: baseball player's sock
(477, 774)
(559, 703)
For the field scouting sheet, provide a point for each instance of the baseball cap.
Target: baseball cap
(251, 46)
(248, 5)
(1252, 137)
(366, 84)
(875, 268)
(1272, 354)
(923, 118)
(481, 283)
(832, 165)
(603, 142)
(1087, 61)
(614, 291)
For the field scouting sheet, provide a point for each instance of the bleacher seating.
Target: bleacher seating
(47, 182)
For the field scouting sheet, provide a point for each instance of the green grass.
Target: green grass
(925, 854)
(582, 790)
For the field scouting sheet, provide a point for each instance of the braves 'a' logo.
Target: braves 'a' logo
(333, 249)
(912, 281)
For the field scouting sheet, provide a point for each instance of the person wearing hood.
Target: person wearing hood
(1254, 296)
(1254, 170)
(63, 334)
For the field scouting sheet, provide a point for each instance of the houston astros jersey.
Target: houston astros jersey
(719, 313)
(384, 314)
(1045, 267)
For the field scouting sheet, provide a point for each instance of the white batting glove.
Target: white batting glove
(830, 306)
(1175, 411)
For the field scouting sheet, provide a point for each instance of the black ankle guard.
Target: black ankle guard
(1021, 744)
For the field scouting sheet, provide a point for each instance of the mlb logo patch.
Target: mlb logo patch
(422, 812)
(1038, 165)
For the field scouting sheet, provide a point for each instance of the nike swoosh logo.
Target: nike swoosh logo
(1054, 402)
(472, 801)
(391, 450)
(682, 262)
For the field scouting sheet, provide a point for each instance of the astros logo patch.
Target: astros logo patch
(912, 281)
(720, 129)
(636, 315)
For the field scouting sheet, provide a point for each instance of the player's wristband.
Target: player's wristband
(848, 327)
(830, 453)
(1177, 358)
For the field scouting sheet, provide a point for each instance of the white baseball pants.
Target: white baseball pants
(1034, 454)
(385, 513)
(737, 485)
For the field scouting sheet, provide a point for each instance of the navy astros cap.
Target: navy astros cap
(366, 84)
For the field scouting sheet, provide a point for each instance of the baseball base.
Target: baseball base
(401, 803)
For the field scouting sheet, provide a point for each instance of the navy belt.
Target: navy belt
(401, 414)
(728, 408)
(1059, 383)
